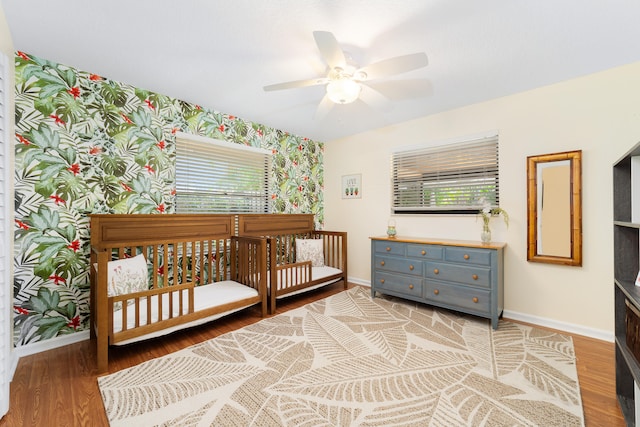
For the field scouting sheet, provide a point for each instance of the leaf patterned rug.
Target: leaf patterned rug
(349, 360)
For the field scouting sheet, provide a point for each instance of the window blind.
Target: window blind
(454, 178)
(215, 176)
(5, 237)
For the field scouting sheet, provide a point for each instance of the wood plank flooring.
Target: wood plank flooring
(59, 387)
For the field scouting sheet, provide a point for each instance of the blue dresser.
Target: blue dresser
(465, 276)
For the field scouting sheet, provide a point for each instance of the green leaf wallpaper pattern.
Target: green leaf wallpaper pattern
(87, 144)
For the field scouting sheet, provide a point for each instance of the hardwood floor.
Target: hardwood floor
(59, 387)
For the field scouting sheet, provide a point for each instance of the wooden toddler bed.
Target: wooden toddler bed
(288, 236)
(154, 274)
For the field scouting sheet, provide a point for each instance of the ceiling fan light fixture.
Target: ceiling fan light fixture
(343, 91)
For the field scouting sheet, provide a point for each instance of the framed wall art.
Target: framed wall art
(352, 186)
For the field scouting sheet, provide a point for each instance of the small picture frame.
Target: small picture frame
(352, 186)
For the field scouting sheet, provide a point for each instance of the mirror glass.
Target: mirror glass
(554, 204)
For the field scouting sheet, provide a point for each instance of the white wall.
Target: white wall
(598, 114)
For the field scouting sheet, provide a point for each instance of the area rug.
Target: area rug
(350, 360)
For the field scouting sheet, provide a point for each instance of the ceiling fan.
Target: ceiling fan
(346, 82)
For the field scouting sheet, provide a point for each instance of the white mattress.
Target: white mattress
(206, 296)
(317, 273)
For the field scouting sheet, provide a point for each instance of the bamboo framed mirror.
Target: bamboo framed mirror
(554, 203)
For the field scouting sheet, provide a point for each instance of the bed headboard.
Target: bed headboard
(113, 230)
(258, 225)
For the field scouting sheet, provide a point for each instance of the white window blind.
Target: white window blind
(5, 237)
(454, 178)
(221, 177)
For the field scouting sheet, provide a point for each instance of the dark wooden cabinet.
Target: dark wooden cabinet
(626, 229)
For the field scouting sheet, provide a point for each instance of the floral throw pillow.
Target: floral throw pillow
(310, 250)
(127, 275)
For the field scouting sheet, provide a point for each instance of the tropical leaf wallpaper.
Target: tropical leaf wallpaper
(87, 144)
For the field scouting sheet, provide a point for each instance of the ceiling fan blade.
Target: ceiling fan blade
(396, 65)
(323, 108)
(330, 49)
(296, 83)
(374, 99)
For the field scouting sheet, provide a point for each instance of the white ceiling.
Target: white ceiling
(219, 54)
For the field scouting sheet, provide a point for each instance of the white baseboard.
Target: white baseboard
(359, 281)
(50, 344)
(536, 320)
(561, 326)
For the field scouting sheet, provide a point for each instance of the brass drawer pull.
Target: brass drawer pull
(381, 281)
(411, 267)
(423, 252)
(382, 263)
(475, 299)
(466, 256)
(436, 271)
(410, 286)
(436, 292)
(475, 277)
(387, 248)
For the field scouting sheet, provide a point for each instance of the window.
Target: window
(454, 178)
(221, 177)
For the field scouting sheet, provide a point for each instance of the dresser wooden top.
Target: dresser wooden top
(446, 242)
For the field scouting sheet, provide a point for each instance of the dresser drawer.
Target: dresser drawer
(399, 265)
(397, 283)
(475, 299)
(470, 275)
(392, 248)
(425, 251)
(468, 255)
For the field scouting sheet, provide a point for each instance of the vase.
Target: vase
(485, 236)
(391, 229)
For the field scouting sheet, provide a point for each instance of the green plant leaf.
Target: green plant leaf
(141, 205)
(141, 184)
(70, 155)
(38, 305)
(70, 187)
(70, 264)
(44, 106)
(113, 94)
(45, 188)
(68, 310)
(51, 170)
(144, 141)
(120, 131)
(51, 250)
(113, 165)
(108, 185)
(44, 219)
(44, 301)
(49, 327)
(69, 77)
(141, 118)
(44, 268)
(69, 232)
(45, 137)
